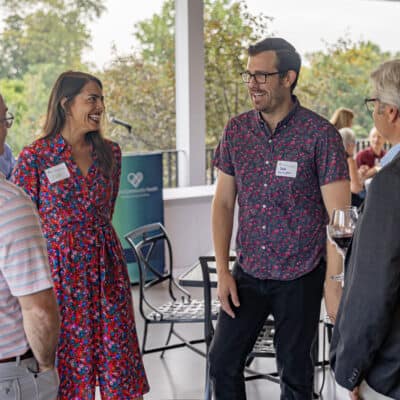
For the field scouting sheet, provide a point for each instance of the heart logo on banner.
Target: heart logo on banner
(135, 178)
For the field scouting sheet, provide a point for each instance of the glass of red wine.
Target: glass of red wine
(341, 228)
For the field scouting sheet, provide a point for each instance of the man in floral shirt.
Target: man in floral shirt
(286, 167)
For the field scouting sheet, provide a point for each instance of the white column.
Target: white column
(190, 91)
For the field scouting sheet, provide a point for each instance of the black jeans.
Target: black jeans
(295, 306)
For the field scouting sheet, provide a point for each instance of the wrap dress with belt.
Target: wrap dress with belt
(98, 342)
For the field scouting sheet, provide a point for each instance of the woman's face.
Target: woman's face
(86, 109)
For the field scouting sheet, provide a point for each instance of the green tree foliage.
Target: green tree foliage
(27, 99)
(142, 86)
(44, 32)
(13, 91)
(40, 40)
(229, 30)
(339, 77)
(140, 95)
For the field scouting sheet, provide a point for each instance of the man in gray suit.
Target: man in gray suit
(365, 349)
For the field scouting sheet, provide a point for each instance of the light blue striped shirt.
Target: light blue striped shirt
(385, 160)
(24, 267)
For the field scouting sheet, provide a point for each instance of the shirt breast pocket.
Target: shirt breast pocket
(281, 193)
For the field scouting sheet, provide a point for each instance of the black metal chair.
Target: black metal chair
(152, 248)
(264, 346)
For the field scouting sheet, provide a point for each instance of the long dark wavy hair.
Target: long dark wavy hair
(68, 85)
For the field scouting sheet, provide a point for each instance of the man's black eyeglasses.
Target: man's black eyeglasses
(260, 77)
(370, 104)
(8, 120)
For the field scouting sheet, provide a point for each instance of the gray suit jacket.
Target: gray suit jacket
(366, 337)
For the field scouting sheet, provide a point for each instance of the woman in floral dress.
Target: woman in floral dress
(72, 174)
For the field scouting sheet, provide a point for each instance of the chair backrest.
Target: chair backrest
(152, 252)
(152, 249)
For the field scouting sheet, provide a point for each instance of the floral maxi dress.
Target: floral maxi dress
(98, 342)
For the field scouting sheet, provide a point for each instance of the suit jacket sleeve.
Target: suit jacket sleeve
(372, 282)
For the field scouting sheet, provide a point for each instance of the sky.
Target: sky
(307, 24)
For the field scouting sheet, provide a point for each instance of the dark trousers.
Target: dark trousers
(295, 306)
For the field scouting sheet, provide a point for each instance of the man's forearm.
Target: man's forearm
(333, 288)
(42, 327)
(334, 261)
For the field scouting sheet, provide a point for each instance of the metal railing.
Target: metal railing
(170, 164)
(211, 173)
(362, 144)
(170, 168)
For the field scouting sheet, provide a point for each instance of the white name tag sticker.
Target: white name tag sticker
(286, 168)
(57, 173)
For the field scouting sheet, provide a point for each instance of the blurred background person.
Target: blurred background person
(7, 160)
(368, 160)
(72, 174)
(342, 118)
(356, 180)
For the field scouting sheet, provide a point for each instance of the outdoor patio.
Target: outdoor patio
(180, 374)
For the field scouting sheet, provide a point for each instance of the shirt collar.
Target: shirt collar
(58, 143)
(390, 154)
(284, 121)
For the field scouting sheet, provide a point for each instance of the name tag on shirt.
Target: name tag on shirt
(57, 173)
(286, 168)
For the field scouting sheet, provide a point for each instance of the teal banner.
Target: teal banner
(139, 201)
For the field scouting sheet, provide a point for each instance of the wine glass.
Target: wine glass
(340, 230)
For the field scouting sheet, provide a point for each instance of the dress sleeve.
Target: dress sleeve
(116, 175)
(26, 174)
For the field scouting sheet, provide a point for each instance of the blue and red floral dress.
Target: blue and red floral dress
(98, 342)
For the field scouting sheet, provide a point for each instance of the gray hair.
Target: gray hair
(386, 82)
(348, 136)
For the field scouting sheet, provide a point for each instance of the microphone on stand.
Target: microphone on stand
(122, 123)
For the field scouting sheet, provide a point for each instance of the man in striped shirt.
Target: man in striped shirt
(29, 318)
